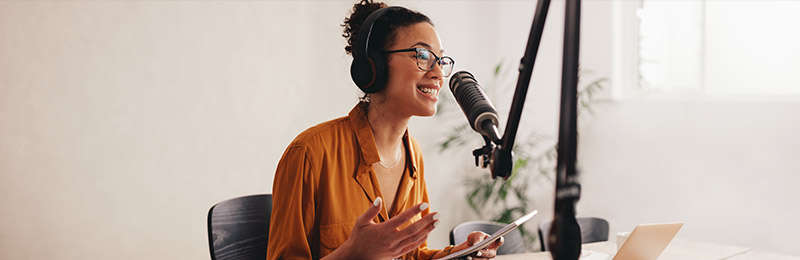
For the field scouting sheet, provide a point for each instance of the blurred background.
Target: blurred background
(123, 122)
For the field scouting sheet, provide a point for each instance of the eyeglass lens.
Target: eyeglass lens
(426, 61)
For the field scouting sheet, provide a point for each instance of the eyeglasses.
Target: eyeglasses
(426, 59)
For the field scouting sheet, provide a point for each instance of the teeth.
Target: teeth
(429, 91)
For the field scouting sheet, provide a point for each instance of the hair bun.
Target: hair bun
(353, 23)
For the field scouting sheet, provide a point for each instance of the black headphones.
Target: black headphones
(369, 69)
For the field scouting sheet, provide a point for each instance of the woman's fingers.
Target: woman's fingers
(496, 244)
(415, 234)
(424, 225)
(475, 237)
(484, 254)
(413, 241)
(488, 252)
(405, 216)
(420, 228)
(371, 212)
(414, 244)
(384, 238)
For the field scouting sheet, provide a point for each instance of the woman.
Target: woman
(354, 187)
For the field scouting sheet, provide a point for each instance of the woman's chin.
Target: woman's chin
(428, 113)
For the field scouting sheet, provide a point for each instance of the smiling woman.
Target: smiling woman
(354, 187)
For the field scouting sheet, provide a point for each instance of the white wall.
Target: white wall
(121, 123)
(727, 168)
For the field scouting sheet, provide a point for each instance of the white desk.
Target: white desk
(762, 255)
(679, 249)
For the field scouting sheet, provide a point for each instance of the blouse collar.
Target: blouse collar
(366, 141)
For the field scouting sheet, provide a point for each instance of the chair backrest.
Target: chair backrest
(512, 242)
(239, 228)
(592, 230)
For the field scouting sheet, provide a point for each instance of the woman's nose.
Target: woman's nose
(436, 72)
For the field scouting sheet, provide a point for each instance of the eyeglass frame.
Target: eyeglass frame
(416, 57)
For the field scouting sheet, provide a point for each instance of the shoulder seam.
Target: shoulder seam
(317, 133)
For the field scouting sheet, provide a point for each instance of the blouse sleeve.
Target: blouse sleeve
(293, 207)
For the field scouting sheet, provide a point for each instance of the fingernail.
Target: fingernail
(423, 206)
(376, 202)
(502, 239)
(479, 254)
(436, 216)
(435, 223)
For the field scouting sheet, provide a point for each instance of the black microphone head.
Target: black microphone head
(459, 78)
(473, 101)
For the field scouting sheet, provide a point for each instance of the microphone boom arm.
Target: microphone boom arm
(501, 156)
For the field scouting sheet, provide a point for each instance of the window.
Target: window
(717, 47)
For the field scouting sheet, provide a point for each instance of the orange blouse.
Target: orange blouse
(325, 181)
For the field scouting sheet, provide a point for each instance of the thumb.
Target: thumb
(371, 212)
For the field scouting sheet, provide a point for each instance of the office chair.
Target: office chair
(512, 242)
(592, 230)
(239, 228)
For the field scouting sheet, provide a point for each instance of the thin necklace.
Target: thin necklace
(396, 160)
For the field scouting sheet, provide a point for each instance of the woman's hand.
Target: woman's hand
(370, 240)
(475, 237)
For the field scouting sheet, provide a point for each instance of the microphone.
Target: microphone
(480, 112)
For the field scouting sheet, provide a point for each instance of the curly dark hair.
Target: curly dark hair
(384, 31)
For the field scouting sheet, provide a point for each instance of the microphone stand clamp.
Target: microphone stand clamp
(494, 157)
(483, 155)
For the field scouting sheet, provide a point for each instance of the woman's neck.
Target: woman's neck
(388, 129)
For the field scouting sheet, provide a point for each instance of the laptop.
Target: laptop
(646, 242)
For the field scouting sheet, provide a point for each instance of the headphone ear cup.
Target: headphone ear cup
(380, 73)
(361, 72)
(369, 73)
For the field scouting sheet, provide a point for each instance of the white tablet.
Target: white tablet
(488, 241)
